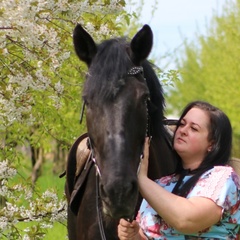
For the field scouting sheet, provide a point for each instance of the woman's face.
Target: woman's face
(191, 138)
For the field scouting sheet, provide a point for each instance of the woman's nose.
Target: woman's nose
(183, 130)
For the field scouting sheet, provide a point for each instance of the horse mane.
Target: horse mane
(108, 69)
(157, 104)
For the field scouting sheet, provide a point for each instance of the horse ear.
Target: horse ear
(141, 44)
(84, 45)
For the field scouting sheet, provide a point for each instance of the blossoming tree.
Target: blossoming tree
(40, 86)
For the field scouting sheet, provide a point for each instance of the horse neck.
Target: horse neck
(161, 157)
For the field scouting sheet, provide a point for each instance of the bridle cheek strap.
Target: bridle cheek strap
(96, 166)
(135, 70)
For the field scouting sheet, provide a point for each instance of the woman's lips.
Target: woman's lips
(179, 139)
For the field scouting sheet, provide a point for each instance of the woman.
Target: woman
(201, 199)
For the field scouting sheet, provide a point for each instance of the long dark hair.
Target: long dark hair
(220, 134)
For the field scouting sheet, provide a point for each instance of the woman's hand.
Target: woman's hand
(143, 168)
(127, 230)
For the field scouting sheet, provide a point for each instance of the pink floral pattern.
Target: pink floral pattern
(222, 185)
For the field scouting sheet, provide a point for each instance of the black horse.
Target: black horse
(124, 102)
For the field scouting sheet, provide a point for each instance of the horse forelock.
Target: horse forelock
(107, 76)
(108, 70)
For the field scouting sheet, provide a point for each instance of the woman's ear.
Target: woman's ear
(210, 147)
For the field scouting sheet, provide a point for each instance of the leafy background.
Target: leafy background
(41, 81)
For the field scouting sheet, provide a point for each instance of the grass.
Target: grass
(58, 232)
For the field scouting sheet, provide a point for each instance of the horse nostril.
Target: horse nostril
(130, 187)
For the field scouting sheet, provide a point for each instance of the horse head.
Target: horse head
(116, 93)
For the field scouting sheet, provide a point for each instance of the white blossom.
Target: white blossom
(3, 223)
(59, 87)
(6, 171)
(26, 237)
(33, 39)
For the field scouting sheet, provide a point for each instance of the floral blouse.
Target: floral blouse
(221, 184)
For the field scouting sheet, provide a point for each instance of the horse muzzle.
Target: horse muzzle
(119, 199)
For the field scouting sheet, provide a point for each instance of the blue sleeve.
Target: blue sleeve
(222, 185)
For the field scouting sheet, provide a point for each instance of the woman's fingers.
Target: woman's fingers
(146, 147)
(124, 222)
(127, 230)
(143, 166)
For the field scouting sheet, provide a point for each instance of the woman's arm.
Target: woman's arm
(185, 215)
